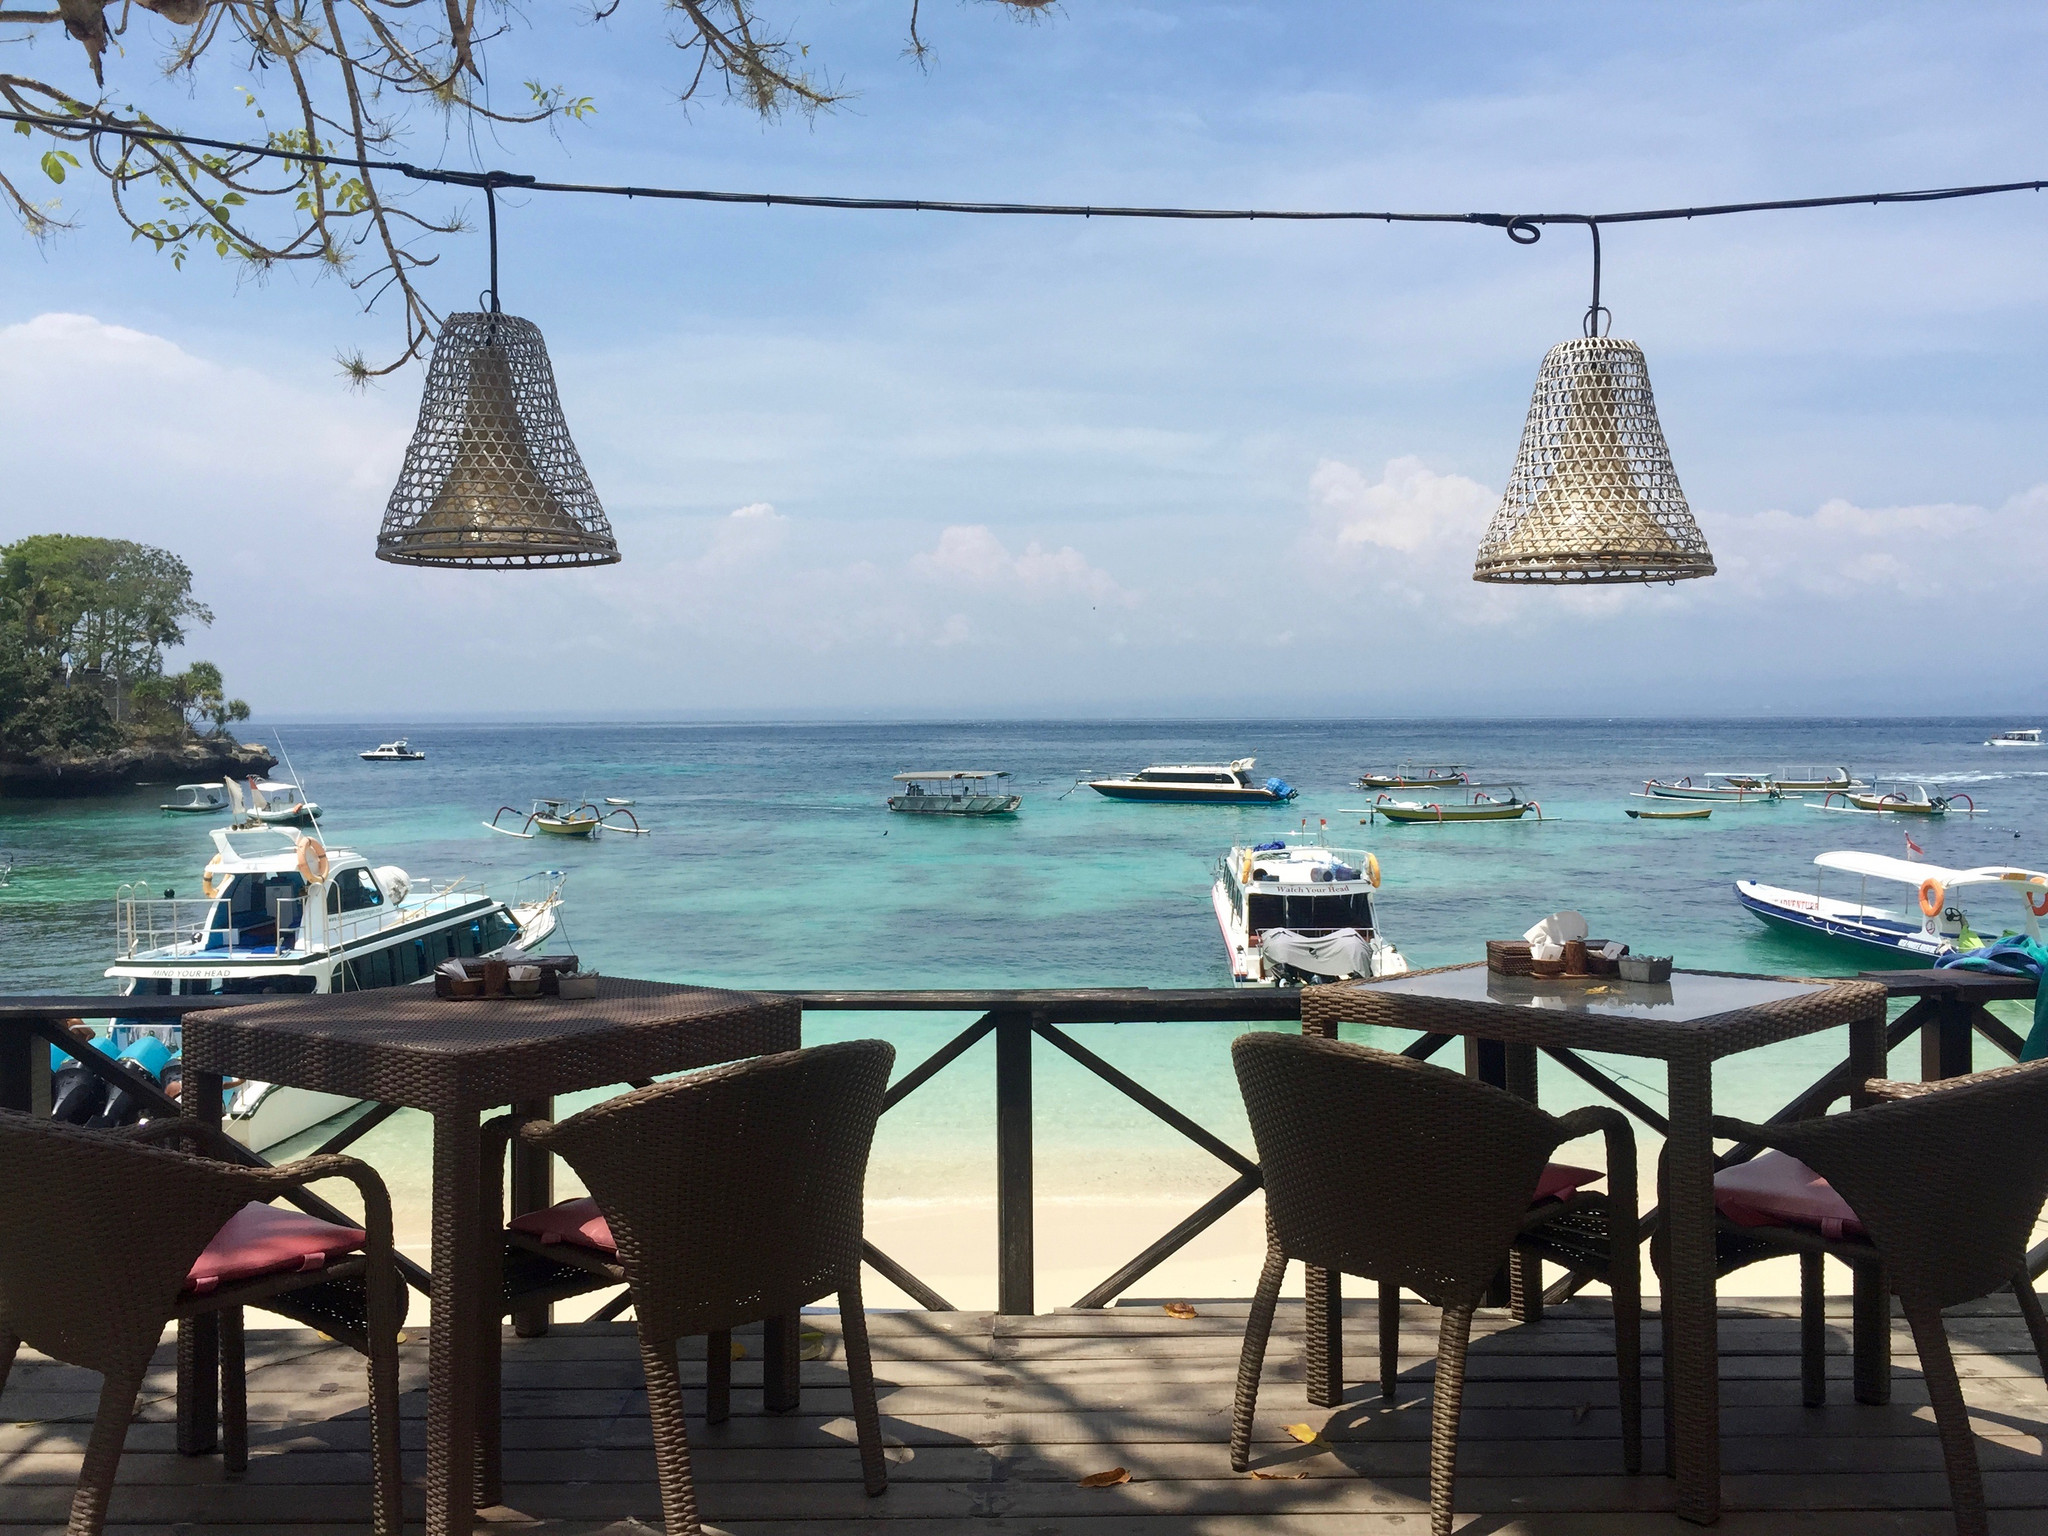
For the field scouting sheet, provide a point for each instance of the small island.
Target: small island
(86, 707)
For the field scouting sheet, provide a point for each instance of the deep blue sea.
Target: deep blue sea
(773, 862)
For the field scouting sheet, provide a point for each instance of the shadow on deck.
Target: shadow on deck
(992, 1422)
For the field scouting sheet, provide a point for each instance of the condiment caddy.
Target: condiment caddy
(536, 976)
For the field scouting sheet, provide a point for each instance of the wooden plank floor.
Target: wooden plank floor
(992, 1422)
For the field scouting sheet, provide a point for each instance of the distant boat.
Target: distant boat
(1199, 784)
(2026, 738)
(1901, 800)
(199, 799)
(1481, 807)
(1840, 778)
(565, 818)
(1417, 776)
(1720, 794)
(956, 792)
(272, 803)
(1942, 926)
(399, 751)
(1700, 814)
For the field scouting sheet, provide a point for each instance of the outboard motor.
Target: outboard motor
(146, 1058)
(76, 1092)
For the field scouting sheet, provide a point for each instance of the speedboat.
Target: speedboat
(281, 912)
(568, 818)
(1417, 776)
(200, 799)
(1479, 807)
(1226, 784)
(1719, 794)
(1840, 779)
(1903, 799)
(1941, 926)
(956, 792)
(399, 751)
(2026, 738)
(271, 803)
(1294, 915)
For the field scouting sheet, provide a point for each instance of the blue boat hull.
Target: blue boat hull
(1184, 796)
(1881, 938)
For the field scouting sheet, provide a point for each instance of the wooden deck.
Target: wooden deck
(992, 1422)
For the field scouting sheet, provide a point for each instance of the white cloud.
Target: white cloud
(972, 555)
(1410, 508)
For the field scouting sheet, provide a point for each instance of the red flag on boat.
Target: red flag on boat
(1913, 847)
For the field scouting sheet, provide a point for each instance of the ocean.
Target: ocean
(772, 862)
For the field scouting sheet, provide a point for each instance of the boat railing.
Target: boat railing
(147, 925)
(346, 927)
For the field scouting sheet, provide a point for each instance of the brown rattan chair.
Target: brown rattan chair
(1941, 1225)
(100, 1232)
(727, 1196)
(1385, 1167)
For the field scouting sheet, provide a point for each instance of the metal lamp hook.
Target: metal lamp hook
(1592, 323)
(491, 202)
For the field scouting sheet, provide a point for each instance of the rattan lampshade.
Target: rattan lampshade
(1593, 497)
(492, 478)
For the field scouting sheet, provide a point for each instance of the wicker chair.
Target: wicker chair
(1382, 1166)
(1909, 1172)
(101, 1234)
(724, 1197)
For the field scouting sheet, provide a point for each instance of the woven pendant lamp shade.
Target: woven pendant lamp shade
(1593, 497)
(492, 478)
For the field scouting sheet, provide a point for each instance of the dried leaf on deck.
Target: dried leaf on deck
(739, 1350)
(1305, 1433)
(1579, 1412)
(1107, 1479)
(811, 1345)
(1180, 1309)
(1278, 1477)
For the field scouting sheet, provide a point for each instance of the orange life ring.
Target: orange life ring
(2042, 909)
(1372, 873)
(206, 875)
(1932, 897)
(312, 860)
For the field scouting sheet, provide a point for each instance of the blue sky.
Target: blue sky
(919, 464)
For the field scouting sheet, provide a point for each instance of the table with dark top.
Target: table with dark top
(1688, 1023)
(456, 1061)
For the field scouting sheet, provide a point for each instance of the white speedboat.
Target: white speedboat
(280, 912)
(1999, 893)
(271, 803)
(956, 792)
(1299, 914)
(1196, 784)
(199, 799)
(2026, 738)
(399, 751)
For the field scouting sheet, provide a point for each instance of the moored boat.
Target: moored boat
(1196, 784)
(568, 818)
(2024, 738)
(281, 912)
(1479, 807)
(956, 792)
(1812, 781)
(271, 803)
(1719, 794)
(1647, 813)
(1940, 927)
(200, 799)
(399, 751)
(1900, 800)
(1417, 776)
(1305, 913)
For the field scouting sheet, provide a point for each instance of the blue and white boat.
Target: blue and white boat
(1197, 784)
(1919, 931)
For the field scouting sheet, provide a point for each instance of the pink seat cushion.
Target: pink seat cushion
(1775, 1189)
(263, 1239)
(570, 1221)
(1561, 1181)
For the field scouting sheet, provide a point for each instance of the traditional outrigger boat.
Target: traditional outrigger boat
(1942, 926)
(957, 792)
(564, 818)
(1902, 800)
(1481, 807)
(1648, 814)
(1417, 776)
(1840, 778)
(1719, 794)
(281, 912)
(1301, 914)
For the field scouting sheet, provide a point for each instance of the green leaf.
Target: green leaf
(23, 129)
(54, 162)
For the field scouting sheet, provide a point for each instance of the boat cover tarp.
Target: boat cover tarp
(1343, 953)
(2016, 955)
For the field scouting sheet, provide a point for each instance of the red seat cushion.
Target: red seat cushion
(1560, 1181)
(570, 1221)
(263, 1239)
(1775, 1189)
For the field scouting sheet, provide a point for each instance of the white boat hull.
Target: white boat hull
(1867, 927)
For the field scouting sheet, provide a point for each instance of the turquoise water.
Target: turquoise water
(773, 863)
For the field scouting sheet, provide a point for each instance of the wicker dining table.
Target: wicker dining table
(1688, 1023)
(457, 1060)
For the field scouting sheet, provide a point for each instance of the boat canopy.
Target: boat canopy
(954, 773)
(1883, 866)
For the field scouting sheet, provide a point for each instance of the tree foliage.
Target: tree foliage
(352, 73)
(84, 623)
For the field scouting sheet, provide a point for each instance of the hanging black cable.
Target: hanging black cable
(1522, 228)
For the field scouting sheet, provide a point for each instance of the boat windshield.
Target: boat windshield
(1269, 909)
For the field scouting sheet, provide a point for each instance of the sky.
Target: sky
(901, 465)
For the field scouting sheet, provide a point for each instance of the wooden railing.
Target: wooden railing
(1947, 1011)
